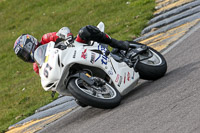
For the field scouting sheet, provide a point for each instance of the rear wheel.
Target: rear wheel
(152, 68)
(99, 96)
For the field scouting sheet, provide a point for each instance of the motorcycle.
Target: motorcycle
(94, 75)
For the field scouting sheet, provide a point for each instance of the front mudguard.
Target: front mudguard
(82, 76)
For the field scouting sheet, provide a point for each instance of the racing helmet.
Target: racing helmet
(25, 46)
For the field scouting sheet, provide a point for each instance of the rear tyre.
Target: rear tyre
(152, 68)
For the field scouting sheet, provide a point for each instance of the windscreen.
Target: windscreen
(39, 54)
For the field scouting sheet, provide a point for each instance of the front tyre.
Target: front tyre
(105, 97)
(152, 68)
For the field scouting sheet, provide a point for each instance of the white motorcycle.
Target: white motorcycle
(92, 74)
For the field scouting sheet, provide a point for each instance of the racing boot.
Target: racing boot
(121, 45)
(89, 33)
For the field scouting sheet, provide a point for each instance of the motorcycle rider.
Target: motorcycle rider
(26, 44)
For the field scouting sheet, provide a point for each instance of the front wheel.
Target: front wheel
(104, 96)
(152, 68)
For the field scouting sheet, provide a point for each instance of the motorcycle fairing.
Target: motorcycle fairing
(56, 69)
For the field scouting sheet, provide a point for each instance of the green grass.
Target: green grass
(123, 21)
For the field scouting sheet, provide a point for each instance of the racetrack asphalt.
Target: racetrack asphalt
(170, 104)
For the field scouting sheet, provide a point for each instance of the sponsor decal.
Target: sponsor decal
(133, 75)
(128, 76)
(103, 57)
(93, 58)
(110, 72)
(124, 78)
(120, 81)
(46, 59)
(117, 78)
(84, 54)
(74, 56)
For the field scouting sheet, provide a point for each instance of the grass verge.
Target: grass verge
(20, 90)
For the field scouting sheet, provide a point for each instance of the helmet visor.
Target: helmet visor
(23, 54)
